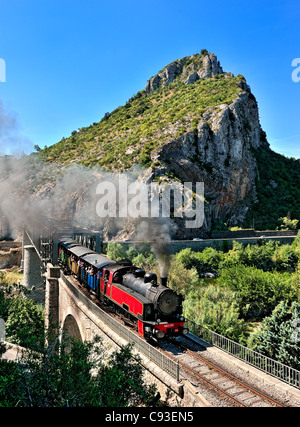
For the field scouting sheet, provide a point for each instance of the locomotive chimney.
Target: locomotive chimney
(163, 281)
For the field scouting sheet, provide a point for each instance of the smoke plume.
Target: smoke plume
(43, 196)
(12, 142)
(157, 231)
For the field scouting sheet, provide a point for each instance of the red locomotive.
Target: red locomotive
(153, 308)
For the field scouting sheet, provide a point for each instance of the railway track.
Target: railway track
(224, 387)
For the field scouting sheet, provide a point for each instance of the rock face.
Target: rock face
(188, 69)
(219, 152)
(11, 258)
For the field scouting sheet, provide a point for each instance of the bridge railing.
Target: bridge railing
(258, 360)
(160, 359)
(168, 365)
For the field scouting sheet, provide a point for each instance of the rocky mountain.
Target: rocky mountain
(219, 149)
(193, 122)
(187, 69)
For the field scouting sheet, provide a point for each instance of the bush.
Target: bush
(289, 224)
(206, 261)
(278, 337)
(285, 258)
(115, 251)
(61, 376)
(259, 292)
(182, 279)
(217, 309)
(25, 323)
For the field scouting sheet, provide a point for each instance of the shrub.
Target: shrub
(25, 323)
(278, 337)
(115, 251)
(216, 309)
(259, 291)
(289, 224)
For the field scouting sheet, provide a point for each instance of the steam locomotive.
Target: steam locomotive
(151, 307)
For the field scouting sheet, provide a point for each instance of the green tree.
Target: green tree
(146, 263)
(8, 293)
(4, 301)
(288, 223)
(182, 279)
(121, 381)
(72, 373)
(206, 261)
(278, 337)
(25, 323)
(115, 251)
(285, 258)
(259, 292)
(216, 309)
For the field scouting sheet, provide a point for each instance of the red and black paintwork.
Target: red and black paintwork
(152, 307)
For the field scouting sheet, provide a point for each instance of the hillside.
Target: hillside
(133, 133)
(194, 122)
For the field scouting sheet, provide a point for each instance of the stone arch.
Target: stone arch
(71, 327)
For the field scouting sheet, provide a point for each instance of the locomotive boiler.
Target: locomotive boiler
(166, 301)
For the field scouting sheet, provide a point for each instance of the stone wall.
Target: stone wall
(176, 246)
(239, 234)
(6, 245)
(10, 254)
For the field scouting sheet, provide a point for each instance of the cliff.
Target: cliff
(188, 70)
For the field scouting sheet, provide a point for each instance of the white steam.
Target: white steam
(41, 195)
(12, 142)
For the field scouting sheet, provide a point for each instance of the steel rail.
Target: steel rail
(232, 377)
(202, 378)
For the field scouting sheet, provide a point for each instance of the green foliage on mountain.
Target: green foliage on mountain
(132, 132)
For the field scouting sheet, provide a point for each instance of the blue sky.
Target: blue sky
(68, 62)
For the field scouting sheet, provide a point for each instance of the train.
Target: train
(137, 297)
